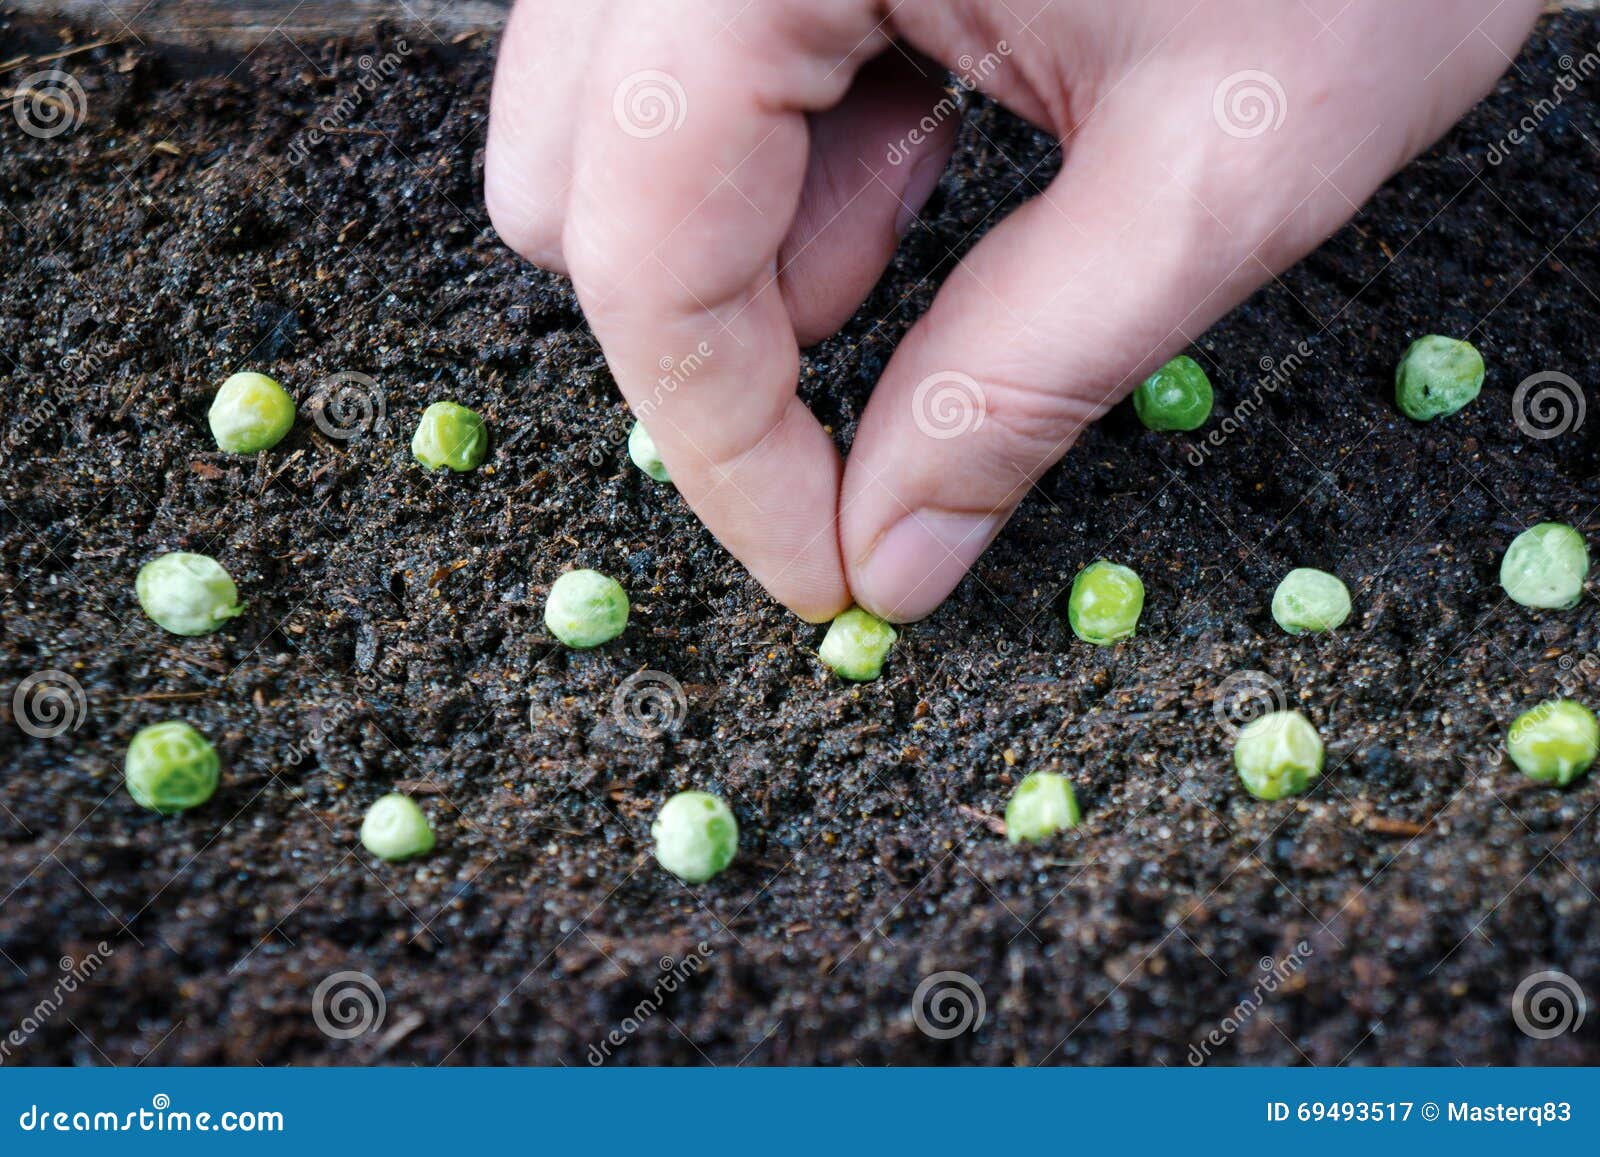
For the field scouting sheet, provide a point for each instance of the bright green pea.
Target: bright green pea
(1175, 397)
(856, 644)
(1545, 566)
(1555, 742)
(1437, 376)
(1105, 602)
(585, 608)
(1309, 600)
(1278, 754)
(450, 435)
(642, 449)
(1042, 805)
(171, 767)
(696, 836)
(396, 828)
(188, 594)
(251, 412)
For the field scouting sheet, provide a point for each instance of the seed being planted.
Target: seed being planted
(696, 836)
(1437, 376)
(642, 449)
(1042, 805)
(188, 594)
(1175, 397)
(1105, 603)
(251, 412)
(1278, 754)
(171, 767)
(1309, 600)
(1545, 566)
(396, 828)
(1554, 742)
(450, 435)
(856, 645)
(585, 608)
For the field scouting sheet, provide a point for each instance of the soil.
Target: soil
(394, 633)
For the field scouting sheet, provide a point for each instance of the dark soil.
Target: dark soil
(394, 634)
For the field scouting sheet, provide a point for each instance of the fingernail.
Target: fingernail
(919, 560)
(921, 181)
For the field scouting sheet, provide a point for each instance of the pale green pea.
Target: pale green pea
(1545, 566)
(450, 435)
(171, 767)
(1278, 754)
(395, 828)
(188, 594)
(1176, 397)
(251, 412)
(585, 608)
(1554, 742)
(856, 644)
(1042, 805)
(1437, 376)
(642, 449)
(1309, 600)
(695, 836)
(1105, 603)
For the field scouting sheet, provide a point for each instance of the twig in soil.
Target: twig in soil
(153, 696)
(994, 823)
(1389, 827)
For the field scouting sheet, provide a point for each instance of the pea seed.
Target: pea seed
(696, 836)
(1309, 600)
(1545, 566)
(642, 449)
(1175, 397)
(856, 645)
(585, 609)
(396, 829)
(171, 767)
(1105, 603)
(1042, 805)
(1554, 742)
(1278, 754)
(1437, 376)
(188, 594)
(450, 435)
(251, 412)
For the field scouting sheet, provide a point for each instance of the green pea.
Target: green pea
(642, 449)
(1278, 754)
(696, 836)
(1545, 566)
(1042, 805)
(396, 829)
(450, 435)
(1555, 742)
(188, 594)
(1175, 397)
(1105, 603)
(1437, 376)
(585, 608)
(251, 412)
(856, 644)
(171, 767)
(1309, 600)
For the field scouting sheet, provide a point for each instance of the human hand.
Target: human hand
(725, 180)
